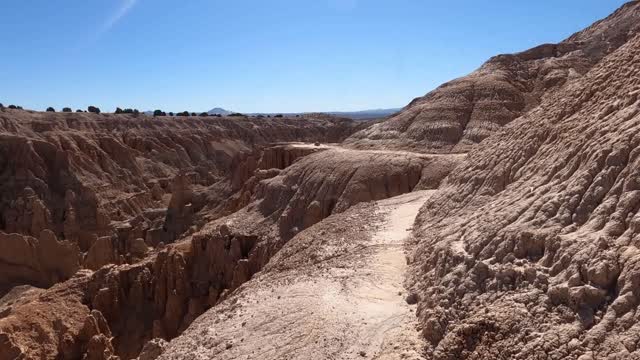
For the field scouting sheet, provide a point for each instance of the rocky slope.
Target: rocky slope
(529, 250)
(334, 291)
(108, 187)
(159, 296)
(465, 111)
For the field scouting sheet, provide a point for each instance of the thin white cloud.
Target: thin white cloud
(121, 12)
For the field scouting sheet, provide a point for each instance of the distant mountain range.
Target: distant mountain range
(356, 115)
(366, 114)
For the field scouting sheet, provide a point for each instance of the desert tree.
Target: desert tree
(93, 109)
(66, 109)
(50, 109)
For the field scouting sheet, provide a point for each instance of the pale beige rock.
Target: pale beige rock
(153, 349)
(549, 207)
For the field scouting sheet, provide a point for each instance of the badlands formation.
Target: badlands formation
(494, 218)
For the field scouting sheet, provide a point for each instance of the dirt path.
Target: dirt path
(388, 326)
(343, 297)
(339, 147)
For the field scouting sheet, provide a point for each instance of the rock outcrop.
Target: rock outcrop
(281, 156)
(333, 180)
(41, 261)
(53, 324)
(465, 111)
(529, 250)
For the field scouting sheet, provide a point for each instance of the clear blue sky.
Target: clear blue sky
(262, 55)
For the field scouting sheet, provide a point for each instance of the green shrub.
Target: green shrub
(93, 109)
(67, 109)
(50, 109)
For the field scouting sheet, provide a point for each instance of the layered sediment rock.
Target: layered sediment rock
(465, 111)
(41, 261)
(530, 248)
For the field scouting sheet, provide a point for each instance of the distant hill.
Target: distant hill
(355, 115)
(219, 111)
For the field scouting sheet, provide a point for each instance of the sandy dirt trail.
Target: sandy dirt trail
(349, 305)
(339, 147)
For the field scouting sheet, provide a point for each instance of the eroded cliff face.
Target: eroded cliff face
(530, 248)
(465, 111)
(334, 180)
(115, 186)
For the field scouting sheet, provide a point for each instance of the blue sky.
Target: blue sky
(262, 55)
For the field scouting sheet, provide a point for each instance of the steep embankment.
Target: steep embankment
(530, 249)
(335, 291)
(465, 111)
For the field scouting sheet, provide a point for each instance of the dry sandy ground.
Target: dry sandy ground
(348, 302)
(339, 147)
